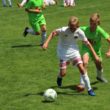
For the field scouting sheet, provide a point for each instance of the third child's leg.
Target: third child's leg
(43, 34)
(99, 72)
(4, 2)
(10, 3)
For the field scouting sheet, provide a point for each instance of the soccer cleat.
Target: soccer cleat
(91, 92)
(59, 82)
(102, 79)
(25, 32)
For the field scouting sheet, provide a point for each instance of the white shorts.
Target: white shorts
(75, 61)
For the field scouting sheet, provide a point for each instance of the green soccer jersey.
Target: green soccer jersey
(33, 4)
(94, 37)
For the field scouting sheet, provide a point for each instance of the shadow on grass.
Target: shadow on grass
(95, 82)
(71, 91)
(74, 87)
(24, 45)
(44, 101)
(29, 94)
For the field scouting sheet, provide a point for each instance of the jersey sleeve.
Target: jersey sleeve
(83, 28)
(28, 5)
(82, 35)
(103, 33)
(61, 30)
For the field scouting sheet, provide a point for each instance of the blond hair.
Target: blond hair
(74, 20)
(95, 17)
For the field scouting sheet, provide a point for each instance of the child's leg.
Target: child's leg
(62, 73)
(31, 31)
(84, 76)
(10, 3)
(64, 2)
(86, 79)
(63, 65)
(99, 72)
(82, 81)
(4, 2)
(23, 2)
(85, 63)
(72, 2)
(78, 61)
(68, 2)
(43, 34)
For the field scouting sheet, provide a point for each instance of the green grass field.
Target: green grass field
(26, 70)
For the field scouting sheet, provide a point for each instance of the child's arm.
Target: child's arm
(37, 10)
(92, 50)
(108, 52)
(53, 34)
(20, 5)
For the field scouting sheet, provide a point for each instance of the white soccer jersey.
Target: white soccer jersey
(67, 45)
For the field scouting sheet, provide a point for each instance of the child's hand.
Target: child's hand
(108, 54)
(45, 46)
(97, 59)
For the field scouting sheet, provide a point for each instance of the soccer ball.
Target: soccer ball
(50, 95)
(80, 88)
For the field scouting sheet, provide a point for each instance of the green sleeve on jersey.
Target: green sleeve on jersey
(103, 33)
(83, 28)
(28, 4)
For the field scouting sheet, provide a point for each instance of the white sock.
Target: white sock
(23, 2)
(9, 1)
(31, 31)
(82, 81)
(86, 81)
(99, 73)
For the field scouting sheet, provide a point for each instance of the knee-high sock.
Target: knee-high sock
(10, 3)
(43, 37)
(86, 81)
(31, 31)
(23, 2)
(82, 81)
(99, 73)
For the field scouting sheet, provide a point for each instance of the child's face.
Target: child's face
(73, 23)
(93, 24)
(72, 26)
